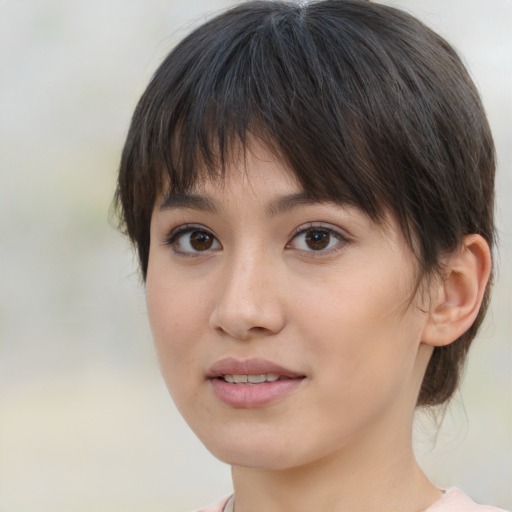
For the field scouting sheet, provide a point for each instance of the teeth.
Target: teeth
(251, 379)
(256, 379)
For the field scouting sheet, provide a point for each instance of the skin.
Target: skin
(341, 316)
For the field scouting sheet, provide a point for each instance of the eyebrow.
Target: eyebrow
(202, 203)
(185, 200)
(289, 202)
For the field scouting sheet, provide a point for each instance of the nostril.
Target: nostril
(258, 330)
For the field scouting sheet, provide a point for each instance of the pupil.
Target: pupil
(317, 240)
(200, 240)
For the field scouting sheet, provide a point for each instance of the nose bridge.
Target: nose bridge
(248, 301)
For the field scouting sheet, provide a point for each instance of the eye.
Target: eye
(192, 240)
(316, 239)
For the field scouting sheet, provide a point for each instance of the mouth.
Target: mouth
(253, 379)
(250, 371)
(252, 382)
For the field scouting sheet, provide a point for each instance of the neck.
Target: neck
(312, 489)
(372, 475)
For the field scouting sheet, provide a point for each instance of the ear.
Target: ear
(457, 296)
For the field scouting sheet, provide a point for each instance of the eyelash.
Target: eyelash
(342, 239)
(175, 236)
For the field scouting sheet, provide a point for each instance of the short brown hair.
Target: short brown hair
(365, 104)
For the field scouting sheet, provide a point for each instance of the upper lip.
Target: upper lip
(254, 366)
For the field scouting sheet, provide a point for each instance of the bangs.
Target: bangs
(364, 105)
(269, 78)
(344, 93)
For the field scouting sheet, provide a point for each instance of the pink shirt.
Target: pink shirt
(454, 500)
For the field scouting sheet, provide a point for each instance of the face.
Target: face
(285, 328)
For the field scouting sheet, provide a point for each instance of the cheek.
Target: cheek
(362, 329)
(363, 351)
(177, 319)
(174, 324)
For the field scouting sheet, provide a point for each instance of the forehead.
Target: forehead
(260, 179)
(254, 170)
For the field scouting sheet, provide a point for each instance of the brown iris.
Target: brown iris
(318, 240)
(200, 240)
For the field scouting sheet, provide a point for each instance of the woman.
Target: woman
(310, 192)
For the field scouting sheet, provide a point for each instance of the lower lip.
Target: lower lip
(246, 396)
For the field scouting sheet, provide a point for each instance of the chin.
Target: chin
(265, 450)
(252, 450)
(256, 459)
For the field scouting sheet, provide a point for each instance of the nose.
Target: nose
(249, 302)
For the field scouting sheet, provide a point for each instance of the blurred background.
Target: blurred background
(85, 420)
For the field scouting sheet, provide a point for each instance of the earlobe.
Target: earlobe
(456, 298)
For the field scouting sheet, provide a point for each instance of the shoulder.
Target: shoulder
(454, 500)
(215, 507)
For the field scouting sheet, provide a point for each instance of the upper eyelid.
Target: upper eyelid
(320, 225)
(343, 239)
(340, 233)
(171, 235)
(171, 239)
